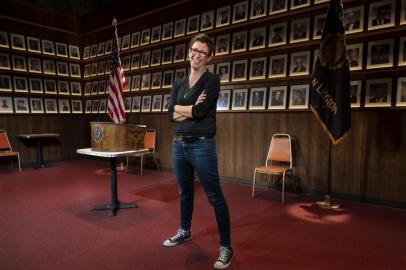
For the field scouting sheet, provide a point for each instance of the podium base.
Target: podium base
(327, 204)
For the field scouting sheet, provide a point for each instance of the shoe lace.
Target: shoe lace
(179, 234)
(225, 254)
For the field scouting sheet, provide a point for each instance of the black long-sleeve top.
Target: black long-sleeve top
(203, 122)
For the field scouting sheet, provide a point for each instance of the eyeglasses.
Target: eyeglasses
(198, 52)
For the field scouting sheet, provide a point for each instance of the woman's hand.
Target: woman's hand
(201, 98)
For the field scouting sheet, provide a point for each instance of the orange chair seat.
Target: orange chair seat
(272, 169)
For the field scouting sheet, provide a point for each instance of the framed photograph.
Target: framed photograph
(180, 53)
(167, 79)
(125, 44)
(19, 63)
(402, 14)
(4, 61)
(353, 19)
(61, 49)
(5, 83)
(63, 106)
(355, 94)
(193, 24)
(20, 84)
(75, 70)
(180, 73)
(258, 68)
(95, 88)
(37, 106)
(33, 44)
(239, 70)
(101, 67)
(300, 30)
(299, 63)
(210, 68)
(135, 39)
(318, 26)
(36, 86)
(354, 56)
(146, 104)
(156, 57)
(240, 12)
(109, 66)
(257, 38)
(167, 31)
(277, 6)
(166, 100)
(381, 14)
(299, 96)
(258, 8)
(167, 54)
(145, 58)
(378, 93)
(34, 65)
(401, 96)
(6, 105)
(156, 80)
(180, 28)
(127, 104)
(100, 48)
(93, 51)
(76, 105)
(277, 34)
(87, 71)
(88, 106)
(207, 20)
(102, 87)
(223, 101)
(126, 64)
(380, 54)
(108, 48)
(146, 81)
(49, 67)
(277, 97)
(76, 89)
(257, 98)
(135, 61)
(136, 104)
(48, 47)
(222, 44)
(17, 42)
(21, 105)
(239, 42)
(74, 52)
(102, 105)
(145, 36)
(156, 34)
(50, 86)
(320, 1)
(63, 88)
(402, 51)
(88, 88)
(95, 106)
(240, 98)
(86, 52)
(50, 106)
(136, 82)
(156, 103)
(4, 40)
(223, 70)
(223, 16)
(294, 4)
(277, 65)
(126, 85)
(62, 68)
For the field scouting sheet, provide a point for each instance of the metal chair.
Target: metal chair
(5, 148)
(149, 143)
(278, 162)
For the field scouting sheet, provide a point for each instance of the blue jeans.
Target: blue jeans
(200, 156)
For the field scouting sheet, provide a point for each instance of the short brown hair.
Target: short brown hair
(203, 38)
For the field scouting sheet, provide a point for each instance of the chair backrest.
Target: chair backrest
(4, 142)
(150, 139)
(280, 149)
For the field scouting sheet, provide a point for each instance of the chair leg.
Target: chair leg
(156, 162)
(142, 164)
(126, 168)
(19, 162)
(283, 187)
(253, 184)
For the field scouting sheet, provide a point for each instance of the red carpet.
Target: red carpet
(47, 223)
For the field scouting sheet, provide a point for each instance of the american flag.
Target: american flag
(116, 85)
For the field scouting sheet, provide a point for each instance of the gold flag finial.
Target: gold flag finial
(114, 22)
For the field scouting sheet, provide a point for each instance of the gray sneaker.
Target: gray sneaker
(180, 237)
(224, 260)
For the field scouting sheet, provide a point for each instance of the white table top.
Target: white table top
(90, 152)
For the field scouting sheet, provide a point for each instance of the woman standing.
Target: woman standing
(193, 108)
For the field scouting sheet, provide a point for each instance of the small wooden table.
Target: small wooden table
(39, 137)
(115, 203)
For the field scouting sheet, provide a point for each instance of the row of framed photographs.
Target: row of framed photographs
(37, 65)
(39, 86)
(35, 45)
(381, 14)
(24, 105)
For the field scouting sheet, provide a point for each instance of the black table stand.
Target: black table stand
(115, 203)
